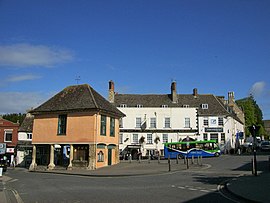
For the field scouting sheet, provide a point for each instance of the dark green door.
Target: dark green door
(109, 157)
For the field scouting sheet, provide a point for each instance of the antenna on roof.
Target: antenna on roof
(78, 78)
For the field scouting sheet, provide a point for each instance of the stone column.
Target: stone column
(33, 165)
(92, 157)
(70, 157)
(116, 154)
(51, 165)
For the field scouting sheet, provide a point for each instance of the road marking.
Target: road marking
(13, 180)
(17, 196)
(193, 189)
(181, 187)
(205, 191)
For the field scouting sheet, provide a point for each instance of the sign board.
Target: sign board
(3, 148)
(213, 129)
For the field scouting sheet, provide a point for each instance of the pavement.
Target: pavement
(248, 188)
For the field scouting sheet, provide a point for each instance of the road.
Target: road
(181, 186)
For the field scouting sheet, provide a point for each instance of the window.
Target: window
(103, 125)
(186, 106)
(153, 123)
(205, 122)
(187, 122)
(165, 137)
(220, 121)
(112, 127)
(100, 156)
(149, 139)
(62, 124)
(164, 106)
(222, 139)
(8, 136)
(121, 138)
(135, 139)
(123, 105)
(205, 137)
(214, 136)
(167, 123)
(138, 122)
(29, 136)
(204, 106)
(139, 106)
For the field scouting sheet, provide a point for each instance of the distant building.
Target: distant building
(24, 147)
(9, 136)
(157, 118)
(267, 127)
(76, 128)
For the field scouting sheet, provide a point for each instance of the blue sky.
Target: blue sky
(142, 45)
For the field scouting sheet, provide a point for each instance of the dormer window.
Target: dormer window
(164, 106)
(186, 106)
(139, 106)
(123, 105)
(204, 106)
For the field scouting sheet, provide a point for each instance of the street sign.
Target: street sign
(3, 148)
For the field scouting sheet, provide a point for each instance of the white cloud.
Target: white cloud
(19, 102)
(19, 78)
(27, 55)
(257, 89)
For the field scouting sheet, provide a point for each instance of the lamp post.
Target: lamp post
(254, 150)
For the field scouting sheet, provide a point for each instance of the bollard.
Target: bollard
(139, 158)
(159, 159)
(198, 160)
(192, 160)
(177, 157)
(184, 159)
(149, 159)
(130, 158)
(201, 160)
(269, 162)
(187, 163)
(252, 166)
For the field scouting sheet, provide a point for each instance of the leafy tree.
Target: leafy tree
(14, 117)
(253, 114)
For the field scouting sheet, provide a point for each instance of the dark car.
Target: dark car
(3, 164)
(265, 146)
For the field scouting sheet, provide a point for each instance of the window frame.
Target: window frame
(167, 122)
(165, 138)
(187, 122)
(5, 135)
(153, 122)
(103, 125)
(135, 138)
(112, 127)
(62, 124)
(138, 122)
(149, 138)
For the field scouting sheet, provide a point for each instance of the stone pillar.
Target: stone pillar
(33, 165)
(116, 154)
(70, 157)
(92, 157)
(51, 165)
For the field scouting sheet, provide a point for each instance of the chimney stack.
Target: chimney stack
(195, 92)
(231, 100)
(173, 92)
(111, 91)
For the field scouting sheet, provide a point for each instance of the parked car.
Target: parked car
(265, 145)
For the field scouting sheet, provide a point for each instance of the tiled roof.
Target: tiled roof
(75, 99)
(214, 105)
(27, 124)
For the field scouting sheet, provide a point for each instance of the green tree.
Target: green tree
(253, 114)
(14, 117)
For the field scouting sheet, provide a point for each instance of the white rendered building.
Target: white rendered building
(154, 119)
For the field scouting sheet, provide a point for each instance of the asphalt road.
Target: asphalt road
(182, 186)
